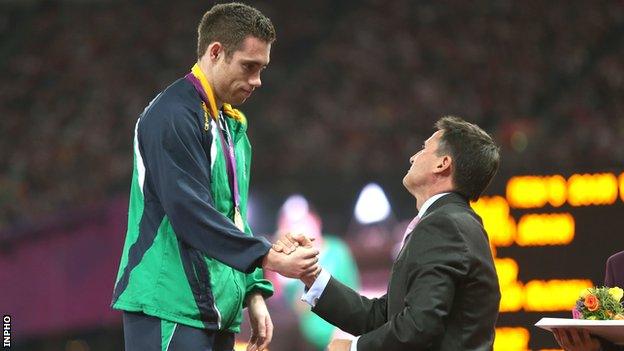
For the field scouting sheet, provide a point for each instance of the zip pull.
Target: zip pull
(206, 118)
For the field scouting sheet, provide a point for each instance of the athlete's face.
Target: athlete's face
(237, 76)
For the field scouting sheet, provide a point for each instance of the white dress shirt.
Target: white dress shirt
(313, 294)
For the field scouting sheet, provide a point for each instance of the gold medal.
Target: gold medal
(238, 220)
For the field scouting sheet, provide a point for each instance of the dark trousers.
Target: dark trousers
(147, 333)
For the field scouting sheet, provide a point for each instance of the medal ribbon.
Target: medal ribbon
(199, 81)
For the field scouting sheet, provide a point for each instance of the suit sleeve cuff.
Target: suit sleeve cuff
(313, 294)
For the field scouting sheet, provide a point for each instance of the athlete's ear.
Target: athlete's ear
(215, 49)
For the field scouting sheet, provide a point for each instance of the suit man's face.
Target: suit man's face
(423, 164)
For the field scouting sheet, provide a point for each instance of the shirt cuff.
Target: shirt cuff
(313, 294)
(354, 344)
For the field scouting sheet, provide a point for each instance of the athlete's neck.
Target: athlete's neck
(206, 67)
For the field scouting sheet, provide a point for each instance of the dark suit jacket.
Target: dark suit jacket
(614, 275)
(443, 292)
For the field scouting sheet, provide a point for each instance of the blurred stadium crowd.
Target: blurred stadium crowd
(353, 88)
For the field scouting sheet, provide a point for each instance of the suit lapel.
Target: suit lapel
(450, 198)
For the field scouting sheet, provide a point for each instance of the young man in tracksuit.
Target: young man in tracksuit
(190, 263)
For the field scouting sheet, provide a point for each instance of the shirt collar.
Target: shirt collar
(429, 202)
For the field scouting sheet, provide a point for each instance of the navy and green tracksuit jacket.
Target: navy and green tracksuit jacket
(184, 260)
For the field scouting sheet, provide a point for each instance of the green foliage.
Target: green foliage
(600, 304)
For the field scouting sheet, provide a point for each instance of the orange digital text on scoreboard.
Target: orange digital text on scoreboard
(538, 228)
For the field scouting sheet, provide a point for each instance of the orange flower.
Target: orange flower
(591, 302)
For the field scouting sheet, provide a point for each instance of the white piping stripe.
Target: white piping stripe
(139, 159)
(171, 337)
(213, 145)
(213, 157)
(218, 316)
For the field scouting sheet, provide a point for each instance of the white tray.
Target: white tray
(609, 330)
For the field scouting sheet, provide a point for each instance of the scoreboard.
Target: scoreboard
(551, 236)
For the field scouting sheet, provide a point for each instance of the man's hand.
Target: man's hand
(261, 324)
(309, 279)
(339, 345)
(289, 243)
(576, 340)
(302, 261)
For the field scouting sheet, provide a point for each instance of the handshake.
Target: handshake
(293, 256)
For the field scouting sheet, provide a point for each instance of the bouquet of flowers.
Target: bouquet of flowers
(599, 304)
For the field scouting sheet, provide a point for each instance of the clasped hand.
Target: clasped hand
(293, 256)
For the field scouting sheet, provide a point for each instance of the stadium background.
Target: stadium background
(353, 89)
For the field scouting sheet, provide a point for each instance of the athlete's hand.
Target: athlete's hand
(261, 324)
(289, 243)
(302, 261)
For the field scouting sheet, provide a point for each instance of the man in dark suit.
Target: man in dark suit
(443, 292)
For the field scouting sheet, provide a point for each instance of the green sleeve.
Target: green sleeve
(255, 282)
